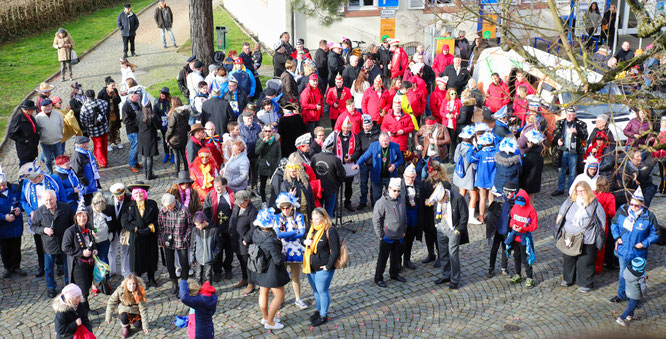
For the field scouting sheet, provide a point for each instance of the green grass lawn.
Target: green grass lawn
(30, 60)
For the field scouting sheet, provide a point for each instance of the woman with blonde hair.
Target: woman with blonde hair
(64, 43)
(296, 182)
(358, 88)
(322, 250)
(129, 299)
(581, 214)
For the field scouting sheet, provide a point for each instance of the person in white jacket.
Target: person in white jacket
(589, 175)
(194, 78)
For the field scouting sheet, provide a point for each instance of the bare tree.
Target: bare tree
(201, 29)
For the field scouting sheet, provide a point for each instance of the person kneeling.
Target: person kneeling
(130, 300)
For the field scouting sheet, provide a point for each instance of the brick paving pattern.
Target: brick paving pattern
(482, 307)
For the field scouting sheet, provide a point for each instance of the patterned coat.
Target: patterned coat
(88, 118)
(176, 223)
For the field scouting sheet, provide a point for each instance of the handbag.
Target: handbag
(460, 167)
(343, 258)
(100, 270)
(572, 244)
(82, 332)
(124, 237)
(73, 57)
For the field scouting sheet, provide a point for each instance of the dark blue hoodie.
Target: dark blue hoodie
(204, 306)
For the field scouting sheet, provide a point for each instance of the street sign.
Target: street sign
(489, 29)
(386, 28)
(388, 13)
(388, 3)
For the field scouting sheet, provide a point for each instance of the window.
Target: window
(358, 4)
(440, 2)
(416, 4)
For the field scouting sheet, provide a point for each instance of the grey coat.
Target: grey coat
(127, 23)
(204, 244)
(573, 226)
(636, 284)
(466, 182)
(389, 217)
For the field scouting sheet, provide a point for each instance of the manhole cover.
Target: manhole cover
(511, 328)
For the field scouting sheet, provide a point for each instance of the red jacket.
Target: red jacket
(498, 96)
(393, 125)
(307, 55)
(215, 146)
(436, 99)
(440, 62)
(527, 85)
(356, 120)
(310, 98)
(661, 139)
(524, 217)
(444, 110)
(422, 89)
(332, 97)
(372, 103)
(399, 63)
(520, 108)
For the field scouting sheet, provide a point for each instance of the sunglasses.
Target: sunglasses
(285, 207)
(635, 205)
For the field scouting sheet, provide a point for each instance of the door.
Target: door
(628, 23)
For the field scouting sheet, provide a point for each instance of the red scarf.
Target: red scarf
(338, 146)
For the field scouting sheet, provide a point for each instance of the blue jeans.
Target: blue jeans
(103, 250)
(329, 204)
(377, 189)
(50, 152)
(569, 159)
(134, 148)
(621, 283)
(320, 281)
(49, 263)
(633, 303)
(365, 175)
(162, 35)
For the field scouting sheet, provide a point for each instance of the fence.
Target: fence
(21, 17)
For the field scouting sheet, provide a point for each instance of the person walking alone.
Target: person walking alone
(128, 23)
(164, 19)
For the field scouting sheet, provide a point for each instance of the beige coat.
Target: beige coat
(116, 300)
(64, 46)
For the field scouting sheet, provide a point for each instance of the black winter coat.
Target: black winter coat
(65, 319)
(457, 81)
(113, 104)
(276, 275)
(148, 134)
(59, 222)
(530, 179)
(385, 56)
(129, 116)
(335, 65)
(581, 136)
(115, 225)
(290, 128)
(363, 141)
(301, 189)
(321, 63)
(328, 251)
(276, 184)
(127, 23)
(242, 101)
(279, 59)
(349, 74)
(26, 139)
(74, 250)
(330, 171)
(142, 242)
(182, 80)
(163, 20)
(219, 112)
(242, 227)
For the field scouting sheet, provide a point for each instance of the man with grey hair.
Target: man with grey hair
(174, 226)
(350, 73)
(386, 158)
(601, 125)
(241, 227)
(463, 48)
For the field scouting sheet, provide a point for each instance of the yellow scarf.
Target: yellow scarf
(407, 108)
(141, 206)
(208, 179)
(312, 248)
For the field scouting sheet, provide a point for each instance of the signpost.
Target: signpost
(387, 28)
(488, 28)
(388, 3)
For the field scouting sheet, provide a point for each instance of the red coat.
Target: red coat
(315, 183)
(422, 89)
(356, 120)
(399, 63)
(372, 103)
(607, 201)
(393, 125)
(661, 139)
(523, 217)
(332, 97)
(310, 98)
(520, 108)
(215, 147)
(440, 62)
(527, 85)
(444, 110)
(416, 102)
(436, 100)
(498, 96)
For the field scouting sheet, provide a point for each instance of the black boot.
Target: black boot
(148, 167)
(174, 286)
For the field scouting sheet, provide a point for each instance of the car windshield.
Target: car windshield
(587, 108)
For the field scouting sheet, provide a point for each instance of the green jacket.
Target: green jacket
(268, 155)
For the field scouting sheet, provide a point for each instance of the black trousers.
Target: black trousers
(410, 235)
(262, 187)
(520, 257)
(454, 142)
(40, 251)
(348, 190)
(170, 256)
(387, 251)
(125, 321)
(225, 258)
(498, 241)
(254, 174)
(242, 259)
(167, 150)
(430, 233)
(10, 250)
(127, 39)
(82, 275)
(203, 272)
(580, 269)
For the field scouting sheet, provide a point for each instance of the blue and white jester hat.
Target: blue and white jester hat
(265, 218)
(467, 132)
(501, 113)
(508, 145)
(534, 136)
(486, 139)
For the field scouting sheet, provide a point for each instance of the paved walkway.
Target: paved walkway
(480, 308)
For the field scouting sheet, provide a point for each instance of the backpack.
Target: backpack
(343, 258)
(460, 167)
(257, 261)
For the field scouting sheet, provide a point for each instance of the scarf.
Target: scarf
(581, 213)
(234, 101)
(91, 157)
(207, 177)
(312, 248)
(631, 219)
(31, 193)
(407, 108)
(338, 146)
(141, 206)
(71, 176)
(185, 200)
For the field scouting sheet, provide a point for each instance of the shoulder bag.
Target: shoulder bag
(343, 258)
(572, 244)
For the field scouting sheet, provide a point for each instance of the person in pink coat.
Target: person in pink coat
(312, 103)
(442, 60)
(375, 100)
(399, 61)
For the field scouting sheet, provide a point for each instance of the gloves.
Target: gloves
(143, 231)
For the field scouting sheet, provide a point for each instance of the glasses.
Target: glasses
(635, 205)
(581, 191)
(204, 157)
(285, 207)
(268, 131)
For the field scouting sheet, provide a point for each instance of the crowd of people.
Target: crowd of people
(398, 124)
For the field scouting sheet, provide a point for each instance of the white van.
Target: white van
(495, 60)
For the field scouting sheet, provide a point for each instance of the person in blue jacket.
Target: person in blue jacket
(634, 229)
(73, 187)
(501, 129)
(507, 163)
(244, 77)
(483, 155)
(386, 158)
(84, 165)
(11, 227)
(204, 303)
(497, 227)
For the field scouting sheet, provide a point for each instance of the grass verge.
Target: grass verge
(29, 60)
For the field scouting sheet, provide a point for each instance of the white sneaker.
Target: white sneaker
(109, 148)
(277, 326)
(300, 303)
(120, 146)
(275, 319)
(474, 221)
(618, 320)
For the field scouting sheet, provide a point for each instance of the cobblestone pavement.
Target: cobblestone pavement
(480, 308)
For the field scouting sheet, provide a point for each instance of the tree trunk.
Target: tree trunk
(201, 30)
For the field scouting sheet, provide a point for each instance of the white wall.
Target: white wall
(265, 18)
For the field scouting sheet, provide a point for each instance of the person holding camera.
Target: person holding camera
(174, 224)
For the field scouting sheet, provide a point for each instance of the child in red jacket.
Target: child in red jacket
(523, 222)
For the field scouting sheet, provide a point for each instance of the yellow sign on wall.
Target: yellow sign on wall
(489, 29)
(445, 41)
(387, 28)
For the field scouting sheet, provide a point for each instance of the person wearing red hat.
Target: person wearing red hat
(336, 98)
(244, 77)
(312, 103)
(398, 125)
(442, 60)
(374, 101)
(354, 117)
(437, 98)
(399, 61)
